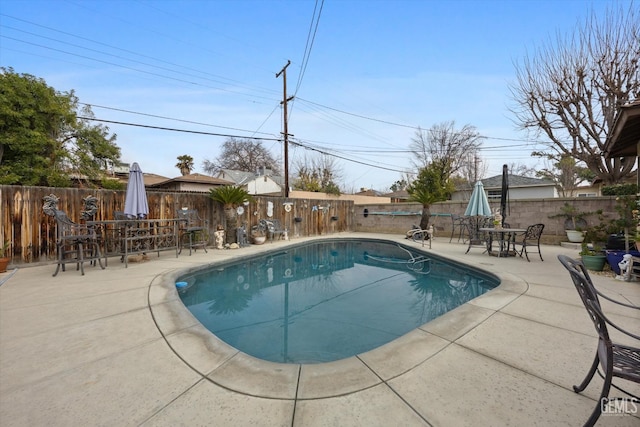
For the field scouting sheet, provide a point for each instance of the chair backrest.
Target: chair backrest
(67, 230)
(190, 216)
(534, 232)
(588, 295)
(473, 225)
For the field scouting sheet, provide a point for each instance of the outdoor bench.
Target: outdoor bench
(274, 228)
(127, 237)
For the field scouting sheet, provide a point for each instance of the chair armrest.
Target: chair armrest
(597, 309)
(616, 301)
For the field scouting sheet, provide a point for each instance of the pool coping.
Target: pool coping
(227, 367)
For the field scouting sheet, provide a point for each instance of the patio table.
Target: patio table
(505, 238)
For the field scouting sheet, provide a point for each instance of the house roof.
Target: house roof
(624, 135)
(196, 178)
(515, 181)
(151, 179)
(243, 177)
(400, 194)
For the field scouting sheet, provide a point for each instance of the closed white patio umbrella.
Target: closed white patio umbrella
(135, 204)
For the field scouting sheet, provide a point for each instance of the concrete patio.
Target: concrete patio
(117, 348)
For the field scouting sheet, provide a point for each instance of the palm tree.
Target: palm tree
(430, 186)
(185, 164)
(231, 197)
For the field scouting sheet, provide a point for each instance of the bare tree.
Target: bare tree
(520, 169)
(446, 145)
(321, 174)
(242, 154)
(570, 91)
(472, 168)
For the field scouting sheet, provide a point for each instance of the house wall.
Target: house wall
(519, 193)
(262, 185)
(515, 193)
(357, 199)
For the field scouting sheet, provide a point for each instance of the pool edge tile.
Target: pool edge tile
(330, 379)
(255, 377)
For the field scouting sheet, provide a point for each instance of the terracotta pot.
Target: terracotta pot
(4, 262)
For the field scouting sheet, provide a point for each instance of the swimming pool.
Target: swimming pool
(327, 300)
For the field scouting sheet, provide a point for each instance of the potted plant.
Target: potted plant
(258, 234)
(623, 230)
(4, 256)
(574, 222)
(592, 248)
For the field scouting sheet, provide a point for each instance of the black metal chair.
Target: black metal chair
(476, 237)
(530, 239)
(615, 359)
(193, 229)
(75, 243)
(457, 222)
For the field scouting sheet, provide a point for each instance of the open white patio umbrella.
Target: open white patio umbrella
(135, 204)
(478, 204)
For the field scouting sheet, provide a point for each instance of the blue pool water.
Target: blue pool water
(327, 300)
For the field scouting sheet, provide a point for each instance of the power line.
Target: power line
(177, 130)
(310, 39)
(174, 119)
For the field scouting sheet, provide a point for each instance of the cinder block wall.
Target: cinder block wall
(397, 218)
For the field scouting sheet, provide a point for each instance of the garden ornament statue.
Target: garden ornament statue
(219, 236)
(625, 267)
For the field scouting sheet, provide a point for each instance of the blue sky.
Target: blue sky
(376, 70)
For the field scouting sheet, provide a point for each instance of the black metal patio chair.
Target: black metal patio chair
(457, 223)
(530, 239)
(193, 230)
(75, 243)
(615, 359)
(475, 236)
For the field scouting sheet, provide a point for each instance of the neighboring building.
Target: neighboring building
(520, 187)
(192, 182)
(399, 196)
(262, 182)
(149, 179)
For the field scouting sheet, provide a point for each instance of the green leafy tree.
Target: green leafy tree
(44, 136)
(185, 164)
(566, 174)
(432, 185)
(399, 185)
(231, 197)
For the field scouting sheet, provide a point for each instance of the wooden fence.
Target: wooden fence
(31, 233)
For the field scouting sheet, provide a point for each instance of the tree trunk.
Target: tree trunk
(231, 217)
(426, 215)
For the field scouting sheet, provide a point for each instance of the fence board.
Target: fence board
(32, 233)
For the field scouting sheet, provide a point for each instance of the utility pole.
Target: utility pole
(286, 127)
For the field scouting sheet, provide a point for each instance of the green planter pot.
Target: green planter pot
(594, 262)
